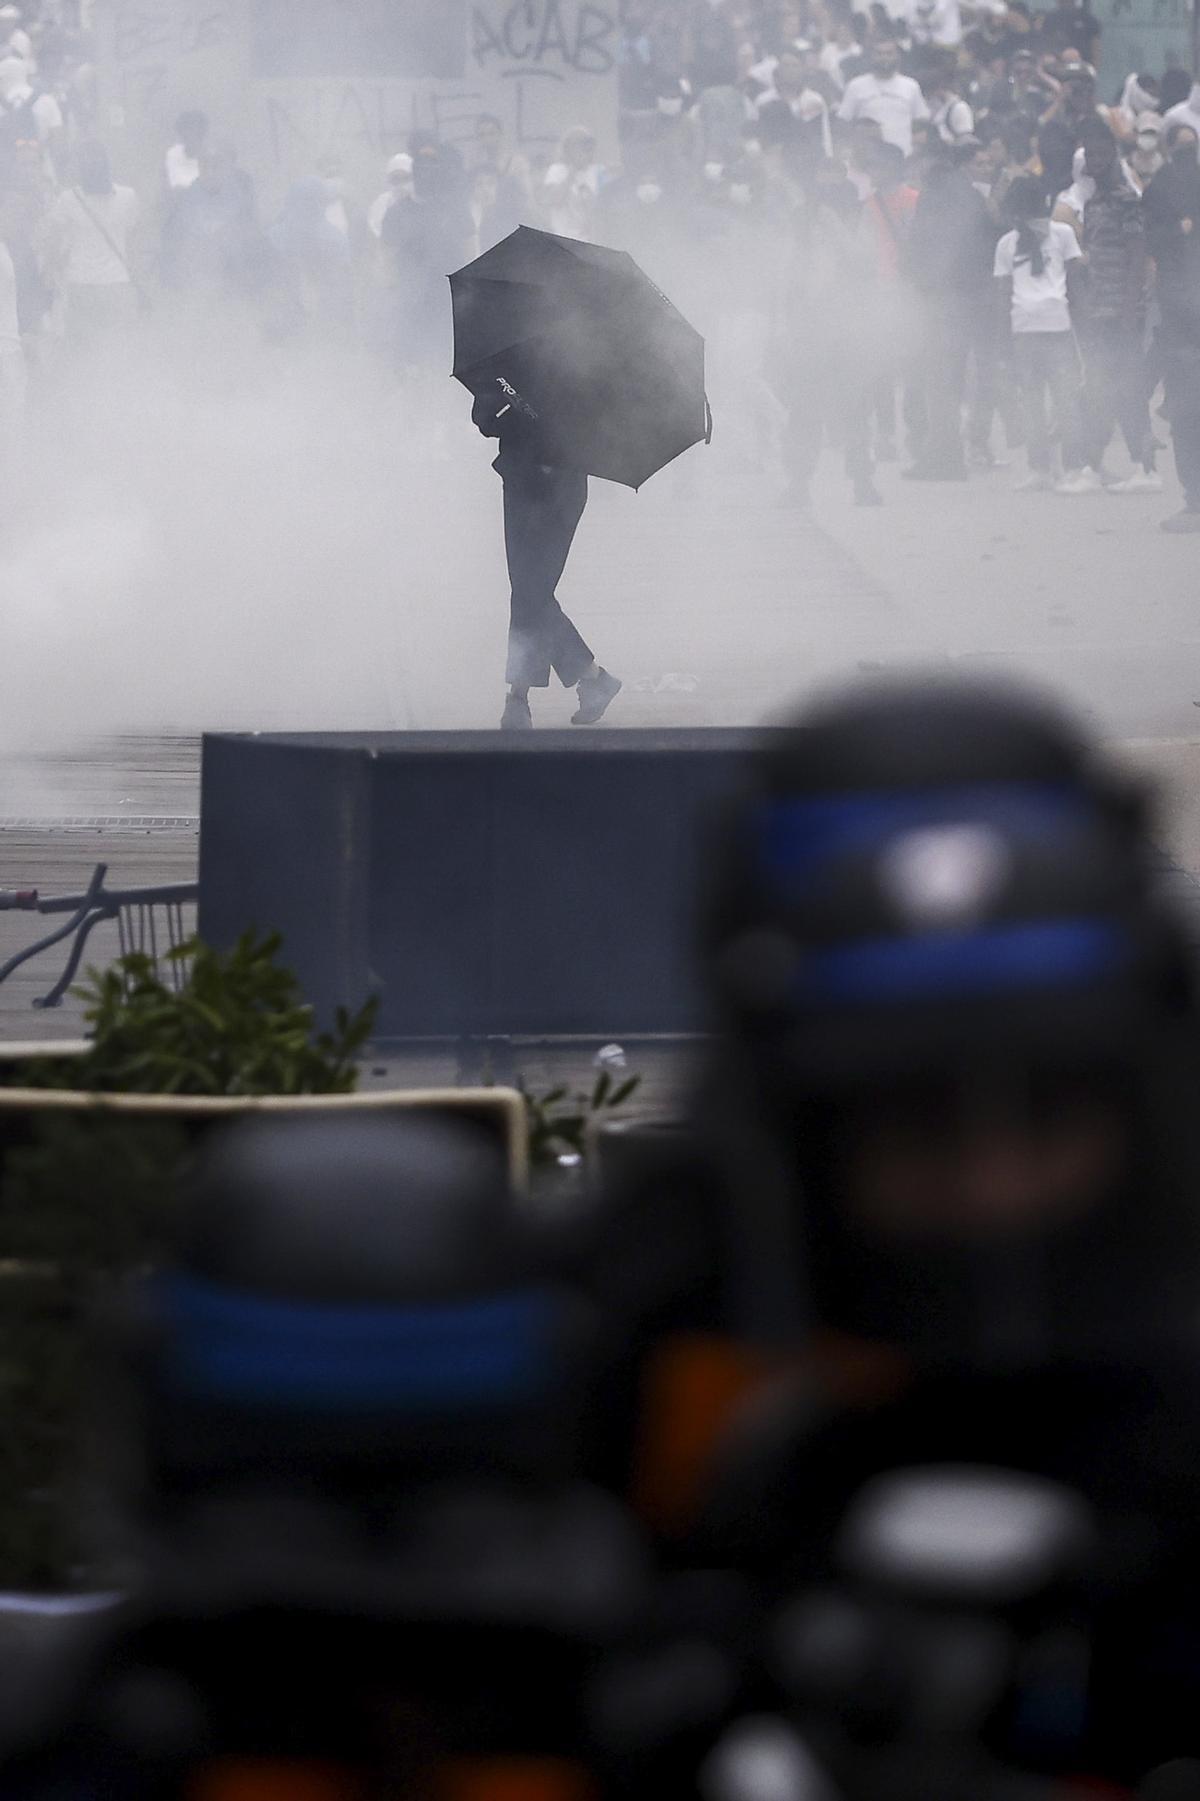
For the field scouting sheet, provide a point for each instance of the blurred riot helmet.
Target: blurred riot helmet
(964, 1012)
(358, 1301)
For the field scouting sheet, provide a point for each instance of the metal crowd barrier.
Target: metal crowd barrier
(148, 920)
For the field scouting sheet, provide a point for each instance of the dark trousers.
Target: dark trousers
(1115, 393)
(1047, 362)
(992, 389)
(1182, 362)
(542, 509)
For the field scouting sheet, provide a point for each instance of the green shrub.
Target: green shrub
(238, 1025)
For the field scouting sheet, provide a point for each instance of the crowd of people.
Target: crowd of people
(917, 231)
(957, 237)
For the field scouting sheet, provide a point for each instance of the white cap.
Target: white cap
(400, 164)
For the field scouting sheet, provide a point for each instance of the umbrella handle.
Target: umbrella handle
(708, 421)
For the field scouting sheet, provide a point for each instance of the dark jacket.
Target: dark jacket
(1114, 243)
(505, 415)
(951, 243)
(1172, 198)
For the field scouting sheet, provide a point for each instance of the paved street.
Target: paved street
(715, 604)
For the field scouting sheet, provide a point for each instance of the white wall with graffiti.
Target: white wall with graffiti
(291, 80)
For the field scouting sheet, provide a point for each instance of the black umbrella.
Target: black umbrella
(612, 371)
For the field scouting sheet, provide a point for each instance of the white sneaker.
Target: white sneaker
(1038, 481)
(1142, 481)
(1079, 481)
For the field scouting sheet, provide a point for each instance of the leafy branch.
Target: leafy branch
(237, 1026)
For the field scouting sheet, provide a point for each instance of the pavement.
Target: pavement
(715, 603)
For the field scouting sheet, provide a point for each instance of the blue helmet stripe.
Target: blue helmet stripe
(799, 835)
(240, 1348)
(943, 965)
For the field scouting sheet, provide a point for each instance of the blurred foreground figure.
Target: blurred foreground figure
(371, 1571)
(960, 1020)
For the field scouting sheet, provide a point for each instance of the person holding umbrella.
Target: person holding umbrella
(542, 509)
(580, 366)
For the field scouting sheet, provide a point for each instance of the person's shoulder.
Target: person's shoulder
(858, 84)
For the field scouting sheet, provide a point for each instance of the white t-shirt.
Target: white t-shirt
(895, 105)
(49, 116)
(954, 119)
(378, 210)
(831, 59)
(14, 73)
(45, 111)
(1039, 302)
(933, 22)
(89, 259)
(570, 196)
(182, 170)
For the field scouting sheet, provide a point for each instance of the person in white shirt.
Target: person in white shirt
(14, 72)
(933, 22)
(184, 155)
(44, 114)
(1139, 95)
(400, 184)
(87, 247)
(951, 116)
(839, 49)
(572, 183)
(1036, 267)
(892, 100)
(15, 34)
(791, 95)
(1071, 204)
(1146, 157)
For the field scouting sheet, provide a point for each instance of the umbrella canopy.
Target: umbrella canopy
(613, 372)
